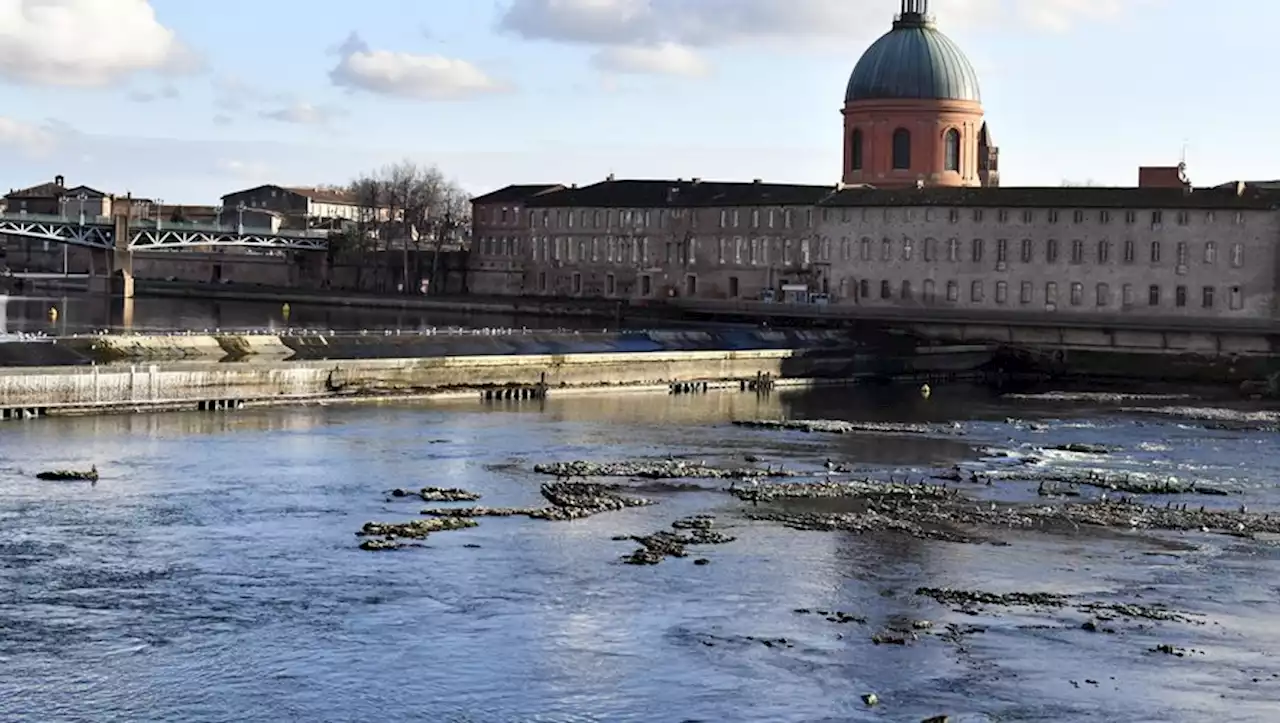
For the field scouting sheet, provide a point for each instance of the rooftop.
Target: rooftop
(683, 193)
(517, 193)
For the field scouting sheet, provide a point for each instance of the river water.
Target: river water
(212, 574)
(82, 313)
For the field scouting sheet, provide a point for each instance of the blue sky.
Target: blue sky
(186, 100)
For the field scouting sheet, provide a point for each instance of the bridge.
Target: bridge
(113, 239)
(99, 232)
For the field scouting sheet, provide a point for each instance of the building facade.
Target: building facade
(297, 203)
(919, 222)
(500, 248)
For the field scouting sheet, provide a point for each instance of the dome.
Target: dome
(914, 61)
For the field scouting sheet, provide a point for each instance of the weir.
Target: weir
(221, 386)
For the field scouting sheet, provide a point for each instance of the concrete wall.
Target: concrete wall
(155, 384)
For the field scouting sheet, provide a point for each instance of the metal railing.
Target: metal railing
(160, 224)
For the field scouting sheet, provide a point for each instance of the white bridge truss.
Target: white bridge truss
(176, 236)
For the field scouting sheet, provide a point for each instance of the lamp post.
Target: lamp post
(159, 212)
(240, 218)
(217, 210)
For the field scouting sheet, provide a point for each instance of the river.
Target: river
(82, 313)
(212, 574)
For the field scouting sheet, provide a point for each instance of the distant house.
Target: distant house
(55, 198)
(310, 204)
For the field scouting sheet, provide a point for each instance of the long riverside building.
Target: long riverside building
(918, 221)
(1152, 252)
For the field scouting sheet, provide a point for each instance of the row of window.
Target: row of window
(757, 251)
(787, 218)
(902, 149)
(1102, 294)
(1100, 252)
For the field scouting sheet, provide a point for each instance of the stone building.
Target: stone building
(919, 223)
(500, 239)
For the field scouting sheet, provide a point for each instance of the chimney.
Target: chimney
(59, 181)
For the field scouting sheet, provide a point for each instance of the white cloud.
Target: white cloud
(243, 170)
(30, 139)
(621, 26)
(85, 43)
(302, 113)
(664, 59)
(407, 75)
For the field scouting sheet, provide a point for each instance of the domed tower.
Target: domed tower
(913, 111)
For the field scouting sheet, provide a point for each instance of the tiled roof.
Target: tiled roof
(325, 195)
(517, 193)
(679, 193)
(696, 193)
(1061, 197)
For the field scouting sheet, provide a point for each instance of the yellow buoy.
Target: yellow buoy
(285, 310)
(925, 391)
(53, 313)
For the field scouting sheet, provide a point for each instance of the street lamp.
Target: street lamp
(217, 210)
(240, 218)
(66, 250)
(159, 212)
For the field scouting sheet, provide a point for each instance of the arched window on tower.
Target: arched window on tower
(901, 149)
(952, 140)
(855, 150)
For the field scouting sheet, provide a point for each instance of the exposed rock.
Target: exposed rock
(1080, 448)
(665, 469)
(948, 596)
(569, 501)
(1098, 397)
(68, 475)
(893, 637)
(416, 529)
(756, 492)
(829, 426)
(1061, 481)
(663, 544)
(389, 535)
(376, 545)
(967, 600)
(936, 719)
(870, 699)
(438, 494)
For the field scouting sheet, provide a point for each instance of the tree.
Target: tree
(399, 206)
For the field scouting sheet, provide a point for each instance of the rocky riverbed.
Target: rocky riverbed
(685, 533)
(662, 469)
(831, 426)
(568, 501)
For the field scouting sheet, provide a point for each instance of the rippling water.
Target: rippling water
(212, 574)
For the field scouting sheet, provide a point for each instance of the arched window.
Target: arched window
(855, 150)
(901, 149)
(952, 140)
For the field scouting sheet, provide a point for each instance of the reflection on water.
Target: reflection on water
(82, 313)
(212, 574)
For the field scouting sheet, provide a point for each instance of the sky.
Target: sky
(187, 100)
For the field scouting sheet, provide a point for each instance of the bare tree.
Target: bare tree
(400, 205)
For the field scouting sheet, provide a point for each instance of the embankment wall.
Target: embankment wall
(51, 389)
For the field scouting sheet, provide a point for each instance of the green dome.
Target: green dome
(914, 61)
